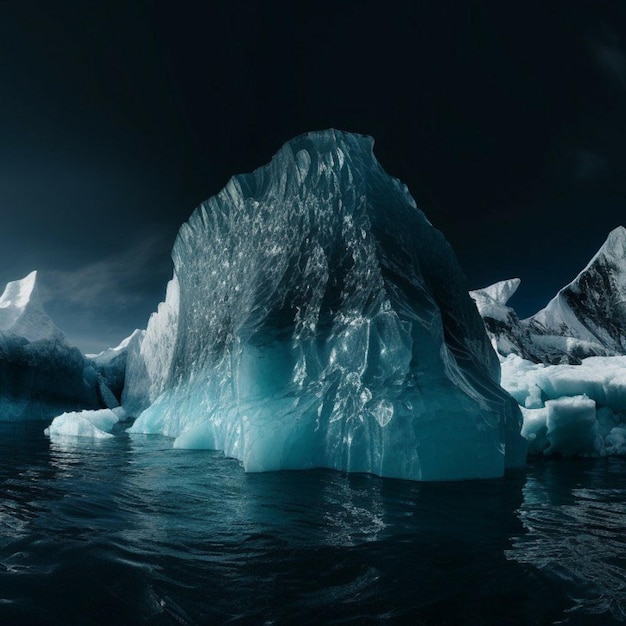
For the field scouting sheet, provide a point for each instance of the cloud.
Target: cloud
(101, 302)
(610, 56)
(117, 281)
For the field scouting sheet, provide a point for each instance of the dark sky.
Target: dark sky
(507, 120)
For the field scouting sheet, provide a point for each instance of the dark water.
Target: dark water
(130, 531)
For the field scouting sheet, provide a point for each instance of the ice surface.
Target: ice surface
(41, 375)
(570, 409)
(111, 365)
(317, 319)
(93, 424)
(151, 353)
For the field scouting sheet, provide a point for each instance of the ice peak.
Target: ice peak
(21, 311)
(615, 244)
(18, 294)
(500, 292)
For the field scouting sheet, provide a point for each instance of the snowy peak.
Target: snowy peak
(592, 307)
(491, 301)
(586, 318)
(615, 246)
(502, 292)
(22, 314)
(111, 353)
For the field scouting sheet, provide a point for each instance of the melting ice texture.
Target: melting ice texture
(319, 320)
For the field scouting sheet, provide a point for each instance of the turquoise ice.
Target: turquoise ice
(317, 319)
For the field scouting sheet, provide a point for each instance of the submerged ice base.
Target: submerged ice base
(319, 320)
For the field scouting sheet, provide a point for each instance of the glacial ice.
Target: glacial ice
(41, 375)
(570, 409)
(96, 424)
(317, 319)
(150, 354)
(111, 366)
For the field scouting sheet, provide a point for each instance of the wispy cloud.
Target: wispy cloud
(99, 303)
(117, 281)
(610, 56)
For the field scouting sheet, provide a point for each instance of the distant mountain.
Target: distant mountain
(22, 314)
(586, 318)
(41, 375)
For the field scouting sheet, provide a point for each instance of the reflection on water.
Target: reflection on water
(574, 515)
(128, 530)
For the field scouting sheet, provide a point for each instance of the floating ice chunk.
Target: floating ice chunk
(535, 430)
(570, 409)
(94, 424)
(571, 426)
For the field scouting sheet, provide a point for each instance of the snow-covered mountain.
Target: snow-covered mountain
(41, 375)
(586, 318)
(319, 320)
(565, 365)
(22, 314)
(592, 308)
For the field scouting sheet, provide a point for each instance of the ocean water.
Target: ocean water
(130, 531)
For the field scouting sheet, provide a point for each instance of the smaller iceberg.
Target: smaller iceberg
(570, 410)
(92, 424)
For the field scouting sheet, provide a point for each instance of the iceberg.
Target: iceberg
(570, 410)
(41, 375)
(317, 319)
(96, 424)
(150, 354)
(111, 366)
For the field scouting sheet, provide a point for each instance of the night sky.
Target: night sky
(507, 120)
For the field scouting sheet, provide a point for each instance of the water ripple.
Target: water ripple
(129, 530)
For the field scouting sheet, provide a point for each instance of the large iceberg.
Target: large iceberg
(41, 375)
(317, 319)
